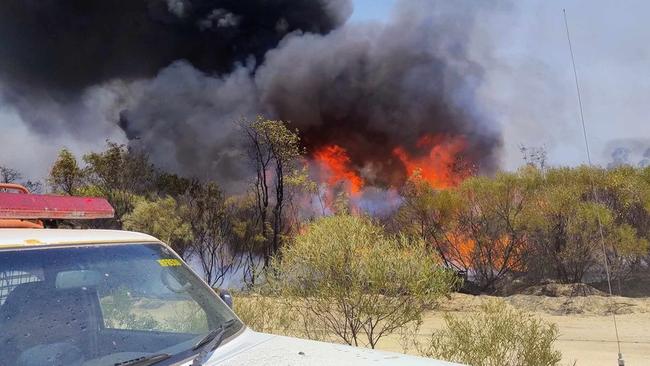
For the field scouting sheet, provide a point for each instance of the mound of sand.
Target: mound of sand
(587, 305)
(559, 290)
(556, 305)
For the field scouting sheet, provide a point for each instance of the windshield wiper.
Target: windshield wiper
(211, 342)
(145, 360)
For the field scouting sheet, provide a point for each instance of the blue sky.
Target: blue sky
(372, 9)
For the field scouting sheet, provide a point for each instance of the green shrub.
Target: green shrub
(264, 314)
(498, 336)
(346, 274)
(274, 315)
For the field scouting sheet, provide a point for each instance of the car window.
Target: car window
(145, 303)
(102, 305)
(11, 278)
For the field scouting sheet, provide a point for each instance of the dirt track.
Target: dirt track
(585, 323)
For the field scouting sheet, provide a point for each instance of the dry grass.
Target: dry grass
(272, 315)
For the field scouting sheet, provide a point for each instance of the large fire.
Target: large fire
(437, 158)
(438, 161)
(336, 168)
(439, 166)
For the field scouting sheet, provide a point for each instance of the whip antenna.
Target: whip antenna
(621, 362)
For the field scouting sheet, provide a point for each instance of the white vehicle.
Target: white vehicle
(116, 298)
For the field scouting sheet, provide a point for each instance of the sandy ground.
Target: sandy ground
(591, 340)
(587, 334)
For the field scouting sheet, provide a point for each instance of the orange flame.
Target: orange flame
(437, 167)
(464, 251)
(336, 163)
(460, 250)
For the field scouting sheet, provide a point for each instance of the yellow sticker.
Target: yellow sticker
(169, 262)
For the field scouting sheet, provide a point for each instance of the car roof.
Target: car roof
(32, 237)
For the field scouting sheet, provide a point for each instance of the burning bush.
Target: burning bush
(540, 224)
(476, 228)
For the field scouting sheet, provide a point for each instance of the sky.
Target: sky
(369, 10)
(530, 85)
(527, 87)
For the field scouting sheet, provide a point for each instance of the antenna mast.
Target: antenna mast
(621, 361)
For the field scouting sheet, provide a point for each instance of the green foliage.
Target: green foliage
(341, 204)
(205, 210)
(361, 283)
(498, 336)
(118, 174)
(571, 213)
(172, 184)
(119, 167)
(276, 136)
(65, 175)
(245, 236)
(209, 221)
(299, 179)
(162, 218)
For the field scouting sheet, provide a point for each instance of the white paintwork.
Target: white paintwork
(252, 348)
(30, 237)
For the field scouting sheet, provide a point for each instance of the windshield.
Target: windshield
(102, 305)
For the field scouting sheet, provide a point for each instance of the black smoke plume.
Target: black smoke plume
(71, 44)
(183, 71)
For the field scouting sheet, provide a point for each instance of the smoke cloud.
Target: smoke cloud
(371, 89)
(173, 77)
(67, 45)
(632, 152)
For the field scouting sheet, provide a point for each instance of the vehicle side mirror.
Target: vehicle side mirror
(225, 296)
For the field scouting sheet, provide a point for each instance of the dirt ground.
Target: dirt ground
(586, 325)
